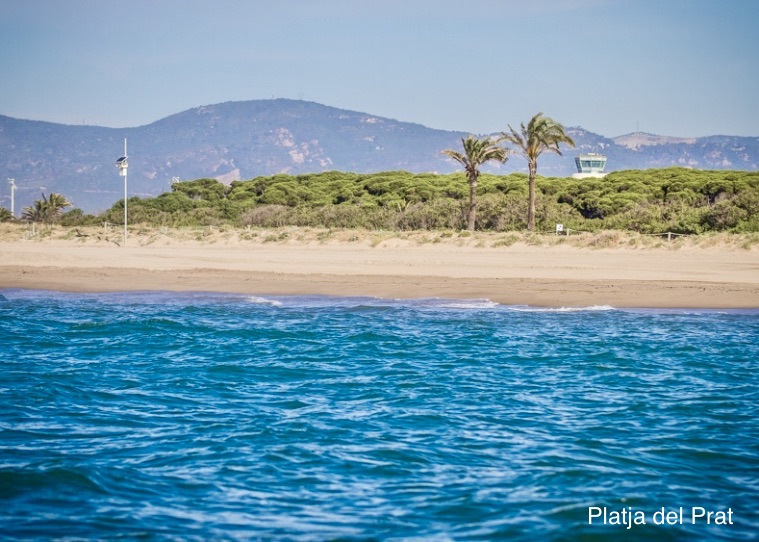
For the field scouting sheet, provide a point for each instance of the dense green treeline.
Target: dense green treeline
(650, 201)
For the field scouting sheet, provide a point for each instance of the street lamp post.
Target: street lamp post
(12, 182)
(121, 163)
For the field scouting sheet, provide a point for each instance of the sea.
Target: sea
(205, 416)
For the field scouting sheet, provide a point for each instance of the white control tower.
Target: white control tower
(590, 165)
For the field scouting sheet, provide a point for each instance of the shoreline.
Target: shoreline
(685, 276)
(553, 293)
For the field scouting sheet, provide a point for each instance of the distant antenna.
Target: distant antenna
(637, 126)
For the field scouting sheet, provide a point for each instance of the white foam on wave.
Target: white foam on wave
(591, 308)
(264, 301)
(476, 304)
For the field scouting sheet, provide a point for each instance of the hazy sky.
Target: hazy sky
(671, 67)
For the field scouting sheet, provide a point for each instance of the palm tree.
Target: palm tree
(541, 134)
(56, 203)
(34, 213)
(476, 153)
(47, 210)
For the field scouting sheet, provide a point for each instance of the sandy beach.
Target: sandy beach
(600, 269)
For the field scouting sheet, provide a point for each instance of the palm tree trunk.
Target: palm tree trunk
(471, 216)
(533, 168)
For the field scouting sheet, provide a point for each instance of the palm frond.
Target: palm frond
(540, 135)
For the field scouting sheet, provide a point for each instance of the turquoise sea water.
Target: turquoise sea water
(164, 416)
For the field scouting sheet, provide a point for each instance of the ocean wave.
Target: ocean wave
(591, 308)
(476, 304)
(256, 300)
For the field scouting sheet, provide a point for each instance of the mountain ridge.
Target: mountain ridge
(245, 139)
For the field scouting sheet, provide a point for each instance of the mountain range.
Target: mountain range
(243, 140)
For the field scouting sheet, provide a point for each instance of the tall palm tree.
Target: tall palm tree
(541, 134)
(476, 153)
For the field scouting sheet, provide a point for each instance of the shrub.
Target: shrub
(648, 201)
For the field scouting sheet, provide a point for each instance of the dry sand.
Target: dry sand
(602, 269)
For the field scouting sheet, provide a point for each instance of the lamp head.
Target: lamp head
(121, 163)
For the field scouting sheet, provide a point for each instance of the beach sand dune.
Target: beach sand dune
(508, 270)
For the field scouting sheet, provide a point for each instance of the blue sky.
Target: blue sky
(672, 67)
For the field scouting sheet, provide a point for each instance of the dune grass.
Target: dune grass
(292, 235)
